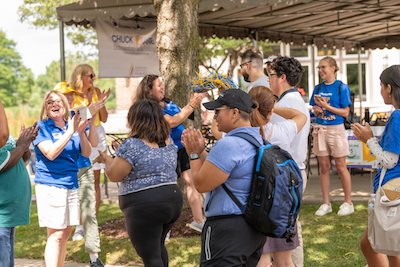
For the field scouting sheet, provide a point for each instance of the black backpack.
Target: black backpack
(276, 191)
(352, 117)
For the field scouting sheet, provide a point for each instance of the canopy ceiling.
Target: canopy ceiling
(341, 23)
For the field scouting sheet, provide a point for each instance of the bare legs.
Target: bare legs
(377, 259)
(56, 246)
(324, 168)
(195, 199)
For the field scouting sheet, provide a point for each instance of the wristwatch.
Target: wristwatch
(194, 156)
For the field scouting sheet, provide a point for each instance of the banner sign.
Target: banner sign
(127, 52)
(360, 155)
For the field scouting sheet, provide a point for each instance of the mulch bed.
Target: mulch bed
(116, 228)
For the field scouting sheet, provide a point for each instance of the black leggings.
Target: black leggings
(149, 215)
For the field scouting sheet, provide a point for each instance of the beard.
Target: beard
(246, 77)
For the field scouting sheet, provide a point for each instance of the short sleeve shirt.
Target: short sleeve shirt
(63, 171)
(334, 98)
(235, 156)
(261, 81)
(171, 109)
(390, 141)
(151, 167)
(281, 133)
(15, 189)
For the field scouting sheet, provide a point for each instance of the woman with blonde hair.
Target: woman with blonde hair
(331, 104)
(59, 143)
(86, 94)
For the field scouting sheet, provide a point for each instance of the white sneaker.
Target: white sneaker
(324, 209)
(78, 235)
(346, 209)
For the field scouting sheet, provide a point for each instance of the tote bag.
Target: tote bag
(384, 223)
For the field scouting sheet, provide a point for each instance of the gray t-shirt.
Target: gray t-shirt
(262, 81)
(151, 167)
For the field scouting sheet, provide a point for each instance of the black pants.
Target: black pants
(230, 241)
(149, 215)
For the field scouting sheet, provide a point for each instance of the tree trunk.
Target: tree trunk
(178, 45)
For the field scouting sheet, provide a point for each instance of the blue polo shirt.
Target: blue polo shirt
(171, 109)
(390, 142)
(338, 100)
(235, 156)
(63, 171)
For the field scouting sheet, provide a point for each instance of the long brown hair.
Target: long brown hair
(146, 121)
(143, 90)
(264, 100)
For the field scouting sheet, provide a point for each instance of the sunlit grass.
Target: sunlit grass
(329, 241)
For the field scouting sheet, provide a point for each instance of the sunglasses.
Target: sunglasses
(92, 76)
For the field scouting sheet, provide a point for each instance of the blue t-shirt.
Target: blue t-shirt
(62, 171)
(151, 167)
(390, 141)
(235, 156)
(171, 109)
(334, 98)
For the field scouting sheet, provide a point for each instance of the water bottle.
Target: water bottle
(366, 115)
(371, 202)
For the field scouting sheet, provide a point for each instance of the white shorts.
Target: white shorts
(57, 207)
(102, 146)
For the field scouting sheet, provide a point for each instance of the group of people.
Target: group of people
(68, 140)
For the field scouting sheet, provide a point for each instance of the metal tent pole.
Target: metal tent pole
(360, 82)
(62, 50)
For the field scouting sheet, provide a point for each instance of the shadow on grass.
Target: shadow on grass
(329, 241)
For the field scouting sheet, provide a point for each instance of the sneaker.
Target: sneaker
(196, 226)
(324, 209)
(346, 209)
(78, 235)
(97, 263)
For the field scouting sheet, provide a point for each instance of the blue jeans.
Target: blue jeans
(7, 246)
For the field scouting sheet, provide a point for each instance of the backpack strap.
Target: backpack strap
(249, 138)
(252, 140)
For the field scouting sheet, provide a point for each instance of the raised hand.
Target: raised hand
(27, 135)
(363, 133)
(95, 107)
(193, 141)
(195, 100)
(104, 95)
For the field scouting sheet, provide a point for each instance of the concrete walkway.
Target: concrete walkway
(361, 190)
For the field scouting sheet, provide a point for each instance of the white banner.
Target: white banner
(127, 52)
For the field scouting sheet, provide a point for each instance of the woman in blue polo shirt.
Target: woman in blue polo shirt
(152, 88)
(57, 147)
(331, 104)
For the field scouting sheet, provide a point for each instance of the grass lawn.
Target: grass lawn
(328, 241)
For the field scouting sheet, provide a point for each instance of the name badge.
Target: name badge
(56, 135)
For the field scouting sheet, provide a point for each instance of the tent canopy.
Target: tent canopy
(331, 23)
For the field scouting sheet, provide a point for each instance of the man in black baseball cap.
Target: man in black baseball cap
(232, 98)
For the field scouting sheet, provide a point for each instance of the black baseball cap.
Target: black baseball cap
(233, 98)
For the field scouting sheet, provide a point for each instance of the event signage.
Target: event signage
(126, 52)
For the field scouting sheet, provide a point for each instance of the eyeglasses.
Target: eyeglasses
(241, 65)
(51, 102)
(92, 75)
(217, 110)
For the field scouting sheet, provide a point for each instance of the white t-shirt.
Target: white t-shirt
(281, 133)
(299, 145)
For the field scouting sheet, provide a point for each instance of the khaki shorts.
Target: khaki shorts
(57, 207)
(330, 140)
